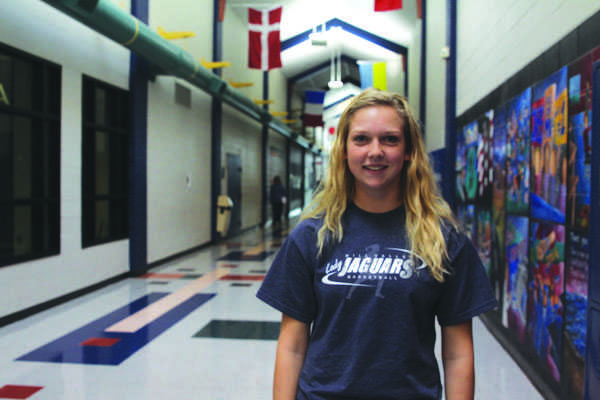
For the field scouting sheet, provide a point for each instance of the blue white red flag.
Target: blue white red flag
(313, 108)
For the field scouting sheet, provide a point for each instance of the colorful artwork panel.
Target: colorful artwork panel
(576, 302)
(514, 310)
(466, 215)
(545, 308)
(517, 153)
(483, 241)
(461, 166)
(548, 146)
(499, 160)
(499, 201)
(471, 138)
(580, 171)
(580, 143)
(485, 154)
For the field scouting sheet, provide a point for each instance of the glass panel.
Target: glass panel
(119, 218)
(22, 229)
(53, 90)
(44, 228)
(5, 157)
(44, 163)
(5, 79)
(53, 227)
(124, 215)
(102, 163)
(87, 223)
(23, 89)
(88, 100)
(52, 150)
(39, 163)
(102, 229)
(100, 103)
(120, 110)
(22, 158)
(120, 172)
(6, 232)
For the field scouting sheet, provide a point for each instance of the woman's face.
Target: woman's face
(375, 152)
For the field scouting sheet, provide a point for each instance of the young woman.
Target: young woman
(277, 198)
(376, 258)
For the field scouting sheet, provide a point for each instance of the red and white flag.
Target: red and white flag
(264, 43)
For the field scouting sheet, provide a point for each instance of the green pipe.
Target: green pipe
(109, 20)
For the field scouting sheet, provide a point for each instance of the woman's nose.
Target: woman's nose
(375, 149)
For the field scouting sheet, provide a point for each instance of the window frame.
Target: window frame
(44, 118)
(116, 129)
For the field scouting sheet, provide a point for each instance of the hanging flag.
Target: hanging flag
(221, 10)
(313, 108)
(264, 43)
(372, 74)
(387, 5)
(419, 9)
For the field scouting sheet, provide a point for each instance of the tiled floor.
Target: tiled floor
(190, 329)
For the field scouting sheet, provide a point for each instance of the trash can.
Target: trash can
(224, 206)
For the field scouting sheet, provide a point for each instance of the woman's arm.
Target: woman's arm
(291, 349)
(457, 358)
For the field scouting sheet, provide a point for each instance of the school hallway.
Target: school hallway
(191, 328)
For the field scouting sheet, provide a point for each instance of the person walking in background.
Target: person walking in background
(278, 200)
(376, 258)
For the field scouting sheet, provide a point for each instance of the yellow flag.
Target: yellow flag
(379, 76)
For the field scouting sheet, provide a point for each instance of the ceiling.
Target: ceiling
(365, 35)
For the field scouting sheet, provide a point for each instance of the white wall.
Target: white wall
(179, 165)
(40, 30)
(277, 90)
(495, 39)
(179, 140)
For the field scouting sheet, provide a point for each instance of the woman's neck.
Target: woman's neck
(377, 204)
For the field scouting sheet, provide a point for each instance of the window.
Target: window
(105, 163)
(30, 95)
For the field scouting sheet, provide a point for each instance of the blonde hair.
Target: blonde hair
(426, 210)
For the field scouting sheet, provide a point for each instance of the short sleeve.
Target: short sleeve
(466, 291)
(288, 285)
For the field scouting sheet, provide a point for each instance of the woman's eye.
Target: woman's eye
(359, 139)
(392, 139)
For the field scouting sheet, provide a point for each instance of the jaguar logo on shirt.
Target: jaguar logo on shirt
(373, 267)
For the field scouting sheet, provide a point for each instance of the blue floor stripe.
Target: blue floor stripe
(68, 349)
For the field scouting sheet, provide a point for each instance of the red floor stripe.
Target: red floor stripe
(18, 391)
(101, 342)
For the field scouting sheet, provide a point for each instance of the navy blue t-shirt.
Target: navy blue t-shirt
(372, 306)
